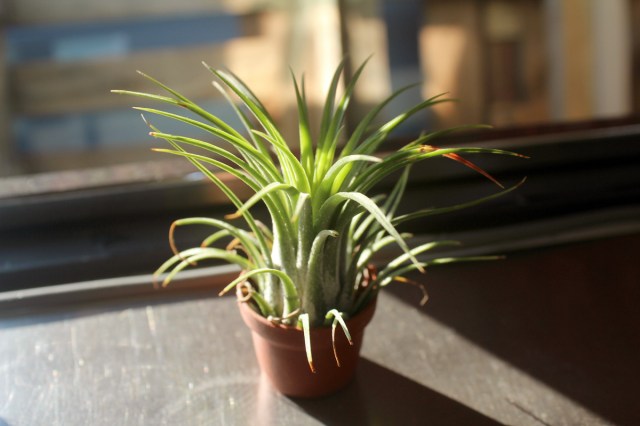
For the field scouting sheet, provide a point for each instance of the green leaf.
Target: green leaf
(437, 134)
(368, 249)
(248, 152)
(367, 226)
(296, 173)
(364, 124)
(329, 206)
(419, 250)
(247, 177)
(243, 119)
(371, 144)
(306, 142)
(261, 303)
(207, 253)
(329, 139)
(304, 321)
(330, 179)
(181, 102)
(375, 173)
(331, 183)
(313, 296)
(302, 216)
(175, 259)
(327, 113)
(292, 301)
(293, 170)
(238, 233)
(150, 96)
(441, 210)
(337, 318)
(263, 247)
(214, 237)
(262, 193)
(386, 276)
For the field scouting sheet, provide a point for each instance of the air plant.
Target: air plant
(310, 267)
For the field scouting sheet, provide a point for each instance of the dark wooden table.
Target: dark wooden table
(546, 337)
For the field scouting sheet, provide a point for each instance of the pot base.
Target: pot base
(282, 357)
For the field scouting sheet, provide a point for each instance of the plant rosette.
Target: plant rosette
(307, 270)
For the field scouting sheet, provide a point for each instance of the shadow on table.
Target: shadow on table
(381, 396)
(567, 316)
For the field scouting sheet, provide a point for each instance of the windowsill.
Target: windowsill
(582, 184)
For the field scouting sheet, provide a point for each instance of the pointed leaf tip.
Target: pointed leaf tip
(461, 160)
(304, 320)
(425, 295)
(232, 216)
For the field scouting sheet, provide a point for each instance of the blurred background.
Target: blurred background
(83, 197)
(510, 62)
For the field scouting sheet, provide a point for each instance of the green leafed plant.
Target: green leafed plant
(310, 266)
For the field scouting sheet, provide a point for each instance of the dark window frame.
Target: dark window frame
(573, 171)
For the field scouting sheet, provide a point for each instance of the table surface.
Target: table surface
(543, 338)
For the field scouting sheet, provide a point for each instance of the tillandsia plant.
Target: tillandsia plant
(309, 268)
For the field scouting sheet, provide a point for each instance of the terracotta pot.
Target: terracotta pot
(281, 354)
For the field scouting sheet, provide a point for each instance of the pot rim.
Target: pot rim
(263, 326)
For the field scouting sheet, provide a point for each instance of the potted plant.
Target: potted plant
(309, 271)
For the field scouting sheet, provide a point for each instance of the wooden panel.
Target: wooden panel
(451, 53)
(365, 36)
(578, 93)
(21, 12)
(526, 69)
(51, 88)
(54, 88)
(536, 107)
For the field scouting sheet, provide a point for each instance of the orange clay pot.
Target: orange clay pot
(281, 354)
